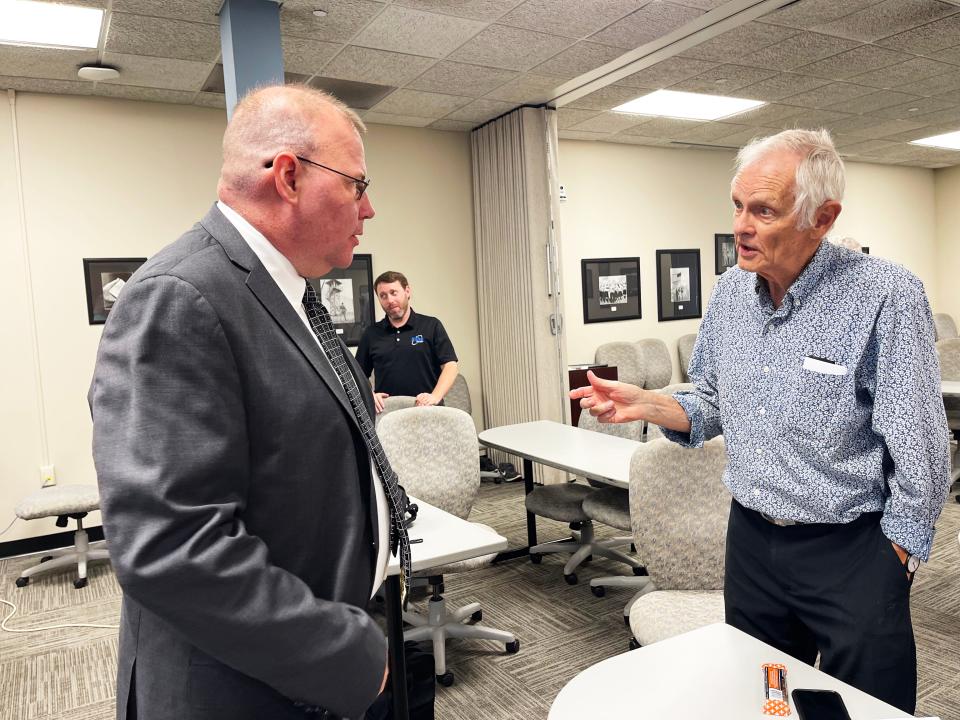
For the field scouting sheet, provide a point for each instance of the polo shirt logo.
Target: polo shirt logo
(416, 339)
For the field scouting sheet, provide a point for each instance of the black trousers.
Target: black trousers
(839, 590)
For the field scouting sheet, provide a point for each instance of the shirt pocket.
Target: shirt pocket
(814, 403)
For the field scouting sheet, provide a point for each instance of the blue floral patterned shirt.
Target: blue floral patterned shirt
(830, 405)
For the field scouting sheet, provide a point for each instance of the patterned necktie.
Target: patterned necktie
(323, 328)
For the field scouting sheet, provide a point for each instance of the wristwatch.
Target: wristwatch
(910, 562)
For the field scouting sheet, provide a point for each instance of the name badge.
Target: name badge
(416, 339)
(824, 367)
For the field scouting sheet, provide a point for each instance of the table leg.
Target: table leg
(524, 552)
(398, 664)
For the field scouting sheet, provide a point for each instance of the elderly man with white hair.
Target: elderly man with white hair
(817, 364)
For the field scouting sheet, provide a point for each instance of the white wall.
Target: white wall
(113, 178)
(626, 200)
(948, 241)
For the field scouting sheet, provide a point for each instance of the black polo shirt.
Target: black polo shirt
(407, 359)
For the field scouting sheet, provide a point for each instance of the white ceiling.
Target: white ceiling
(877, 73)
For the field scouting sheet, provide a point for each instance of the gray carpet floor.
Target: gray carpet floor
(68, 674)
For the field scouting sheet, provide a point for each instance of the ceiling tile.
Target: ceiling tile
(935, 85)
(872, 127)
(927, 39)
(358, 95)
(874, 101)
(343, 20)
(162, 37)
(667, 72)
(926, 110)
(800, 49)
(919, 133)
(527, 88)
(610, 122)
(945, 116)
(952, 96)
(582, 135)
(780, 86)
(887, 18)
(417, 103)
(42, 85)
(723, 79)
(767, 115)
(701, 4)
(306, 56)
(741, 138)
(568, 117)
(452, 125)
(865, 147)
(488, 10)
(380, 118)
(664, 127)
(607, 97)
(158, 72)
(866, 58)
(212, 100)
(577, 60)
(102, 4)
(740, 41)
(628, 139)
(707, 132)
(129, 92)
(648, 23)
(37, 62)
(904, 151)
(831, 94)
(415, 32)
(376, 66)
(510, 48)
(905, 73)
(570, 18)
(809, 13)
(817, 118)
(204, 11)
(479, 111)
(950, 55)
(463, 79)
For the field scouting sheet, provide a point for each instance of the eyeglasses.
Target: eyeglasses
(359, 185)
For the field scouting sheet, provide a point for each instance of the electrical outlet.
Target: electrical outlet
(48, 475)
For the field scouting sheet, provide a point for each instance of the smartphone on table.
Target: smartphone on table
(819, 705)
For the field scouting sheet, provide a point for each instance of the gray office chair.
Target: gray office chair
(656, 366)
(944, 326)
(653, 431)
(624, 356)
(948, 351)
(434, 453)
(458, 396)
(678, 509)
(396, 402)
(685, 345)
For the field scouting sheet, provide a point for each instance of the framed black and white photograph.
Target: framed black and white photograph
(104, 279)
(611, 289)
(348, 296)
(678, 284)
(725, 252)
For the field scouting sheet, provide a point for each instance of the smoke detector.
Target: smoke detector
(96, 73)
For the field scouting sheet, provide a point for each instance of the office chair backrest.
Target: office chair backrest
(624, 356)
(657, 368)
(459, 395)
(434, 453)
(679, 508)
(396, 402)
(654, 431)
(944, 326)
(685, 345)
(630, 430)
(949, 353)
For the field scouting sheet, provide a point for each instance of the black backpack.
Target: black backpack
(421, 687)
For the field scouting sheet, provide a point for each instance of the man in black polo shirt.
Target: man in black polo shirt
(410, 353)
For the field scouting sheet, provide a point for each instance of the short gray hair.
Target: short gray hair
(820, 175)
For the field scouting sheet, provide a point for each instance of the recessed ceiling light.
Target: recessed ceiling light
(687, 106)
(948, 141)
(25, 22)
(320, 13)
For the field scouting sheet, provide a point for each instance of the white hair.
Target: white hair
(820, 175)
(849, 243)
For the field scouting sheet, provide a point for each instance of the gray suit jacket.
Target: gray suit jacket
(236, 493)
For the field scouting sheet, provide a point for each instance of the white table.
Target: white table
(445, 539)
(709, 673)
(582, 452)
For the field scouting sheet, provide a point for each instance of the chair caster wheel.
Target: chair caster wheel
(571, 578)
(626, 620)
(46, 558)
(633, 547)
(498, 481)
(80, 583)
(588, 558)
(446, 679)
(535, 558)
(477, 616)
(634, 645)
(513, 647)
(23, 581)
(598, 590)
(640, 571)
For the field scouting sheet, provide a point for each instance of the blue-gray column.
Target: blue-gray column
(250, 42)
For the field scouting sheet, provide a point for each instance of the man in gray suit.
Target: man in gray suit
(246, 524)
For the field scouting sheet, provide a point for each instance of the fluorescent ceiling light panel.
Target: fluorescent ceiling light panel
(687, 106)
(25, 22)
(949, 141)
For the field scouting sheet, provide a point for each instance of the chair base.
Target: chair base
(439, 624)
(585, 544)
(642, 584)
(79, 555)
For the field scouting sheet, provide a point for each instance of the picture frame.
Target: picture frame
(349, 298)
(678, 285)
(104, 278)
(724, 252)
(611, 289)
